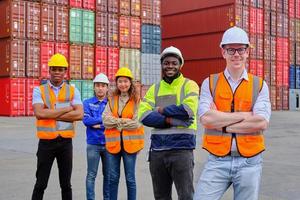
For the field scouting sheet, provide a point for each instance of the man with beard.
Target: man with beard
(170, 107)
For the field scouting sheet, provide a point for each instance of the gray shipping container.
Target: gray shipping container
(150, 69)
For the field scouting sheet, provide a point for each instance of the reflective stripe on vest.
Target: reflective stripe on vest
(219, 143)
(49, 128)
(133, 140)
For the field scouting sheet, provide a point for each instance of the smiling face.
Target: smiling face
(170, 66)
(236, 56)
(123, 84)
(57, 75)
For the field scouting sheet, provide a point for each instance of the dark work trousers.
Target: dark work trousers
(171, 166)
(61, 149)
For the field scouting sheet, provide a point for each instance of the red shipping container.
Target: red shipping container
(47, 50)
(292, 53)
(61, 23)
(253, 46)
(279, 99)
(113, 6)
(101, 5)
(273, 73)
(273, 23)
(260, 68)
(75, 61)
(156, 12)
(253, 20)
(282, 49)
(124, 28)
(30, 85)
(147, 13)
(273, 97)
(267, 23)
(75, 3)
(260, 21)
(279, 73)
(273, 48)
(135, 31)
(298, 53)
(12, 59)
(88, 62)
(260, 47)
(285, 74)
(279, 5)
(62, 2)
(297, 30)
(12, 101)
(113, 30)
(100, 60)
(33, 20)
(124, 7)
(267, 48)
(297, 9)
(267, 72)
(33, 58)
(252, 66)
(12, 19)
(135, 8)
(285, 98)
(113, 62)
(47, 22)
(48, 1)
(267, 5)
(285, 24)
(101, 29)
(63, 48)
(292, 8)
(292, 30)
(89, 4)
(280, 24)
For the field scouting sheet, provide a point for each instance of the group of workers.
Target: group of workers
(233, 107)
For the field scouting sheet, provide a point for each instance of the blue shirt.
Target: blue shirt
(93, 109)
(37, 96)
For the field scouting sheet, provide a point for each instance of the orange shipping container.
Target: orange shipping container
(124, 7)
(135, 8)
(87, 62)
(47, 22)
(75, 61)
(12, 19)
(33, 20)
(33, 58)
(12, 60)
(61, 23)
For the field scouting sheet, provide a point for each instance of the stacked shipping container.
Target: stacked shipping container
(196, 27)
(95, 36)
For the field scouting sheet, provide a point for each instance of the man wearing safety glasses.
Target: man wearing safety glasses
(234, 109)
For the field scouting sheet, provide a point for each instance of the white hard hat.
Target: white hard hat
(235, 35)
(172, 51)
(101, 78)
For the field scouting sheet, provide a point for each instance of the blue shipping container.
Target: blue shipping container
(151, 39)
(292, 77)
(298, 77)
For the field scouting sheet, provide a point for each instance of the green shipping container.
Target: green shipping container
(87, 89)
(76, 83)
(88, 27)
(75, 25)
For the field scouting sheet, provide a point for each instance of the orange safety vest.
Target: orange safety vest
(49, 128)
(133, 140)
(242, 100)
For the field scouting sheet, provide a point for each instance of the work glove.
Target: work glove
(178, 122)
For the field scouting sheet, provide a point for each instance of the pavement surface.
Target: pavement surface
(18, 146)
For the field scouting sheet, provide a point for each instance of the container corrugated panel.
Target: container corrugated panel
(12, 101)
(298, 53)
(62, 2)
(273, 48)
(273, 97)
(47, 50)
(297, 77)
(146, 11)
(292, 53)
(113, 62)
(135, 30)
(156, 12)
(76, 84)
(62, 24)
(279, 98)
(267, 4)
(267, 47)
(135, 9)
(151, 39)
(292, 30)
(113, 30)
(273, 73)
(124, 7)
(150, 69)
(48, 1)
(285, 98)
(242, 17)
(88, 27)
(267, 72)
(297, 29)
(260, 68)
(88, 4)
(292, 8)
(282, 49)
(30, 85)
(267, 22)
(101, 29)
(124, 31)
(279, 73)
(101, 5)
(12, 19)
(63, 48)
(297, 8)
(260, 47)
(294, 99)
(253, 46)
(47, 22)
(130, 58)
(252, 66)
(33, 20)
(75, 3)
(12, 59)
(87, 89)
(87, 62)
(273, 23)
(292, 78)
(100, 60)
(113, 6)
(75, 61)
(75, 25)
(33, 58)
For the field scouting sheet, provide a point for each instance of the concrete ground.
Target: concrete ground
(18, 145)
